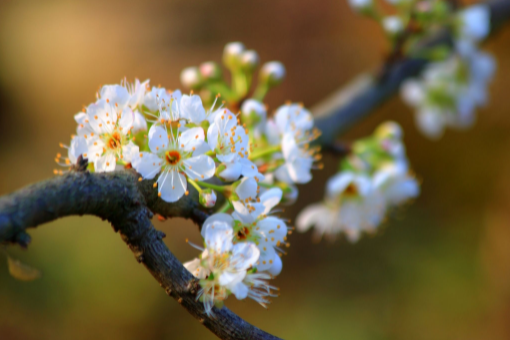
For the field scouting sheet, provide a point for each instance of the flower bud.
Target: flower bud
(249, 60)
(475, 22)
(360, 5)
(210, 71)
(190, 77)
(393, 25)
(272, 73)
(207, 198)
(232, 55)
(389, 130)
(254, 114)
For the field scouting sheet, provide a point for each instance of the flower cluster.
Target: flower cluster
(374, 178)
(227, 151)
(242, 251)
(455, 81)
(409, 21)
(449, 91)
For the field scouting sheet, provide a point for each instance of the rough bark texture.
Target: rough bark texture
(129, 204)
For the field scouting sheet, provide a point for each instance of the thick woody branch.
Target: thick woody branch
(129, 205)
(350, 104)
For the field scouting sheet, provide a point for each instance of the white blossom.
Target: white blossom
(251, 223)
(109, 139)
(352, 206)
(230, 142)
(223, 265)
(475, 22)
(449, 92)
(395, 183)
(174, 158)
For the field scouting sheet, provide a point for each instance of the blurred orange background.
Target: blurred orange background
(438, 268)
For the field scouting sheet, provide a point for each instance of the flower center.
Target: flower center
(243, 234)
(351, 190)
(115, 141)
(173, 157)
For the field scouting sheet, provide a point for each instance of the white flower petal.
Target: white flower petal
(232, 172)
(247, 189)
(172, 186)
(130, 151)
(270, 199)
(148, 166)
(276, 267)
(158, 138)
(140, 124)
(200, 167)
(218, 236)
(78, 147)
(218, 217)
(126, 120)
(192, 108)
(273, 229)
(115, 94)
(105, 163)
(191, 138)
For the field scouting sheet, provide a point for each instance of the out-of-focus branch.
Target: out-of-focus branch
(350, 104)
(129, 205)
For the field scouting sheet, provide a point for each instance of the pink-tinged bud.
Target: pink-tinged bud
(207, 198)
(190, 77)
(210, 71)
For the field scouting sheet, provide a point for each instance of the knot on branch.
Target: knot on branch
(81, 164)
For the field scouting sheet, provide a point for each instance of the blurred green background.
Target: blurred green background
(438, 269)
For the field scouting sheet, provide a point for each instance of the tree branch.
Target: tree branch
(352, 103)
(129, 205)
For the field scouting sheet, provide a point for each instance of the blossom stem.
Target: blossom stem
(225, 207)
(193, 183)
(260, 92)
(211, 186)
(266, 152)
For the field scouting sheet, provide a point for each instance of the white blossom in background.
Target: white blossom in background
(395, 183)
(374, 178)
(222, 266)
(358, 5)
(449, 92)
(174, 158)
(474, 22)
(352, 206)
(393, 24)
